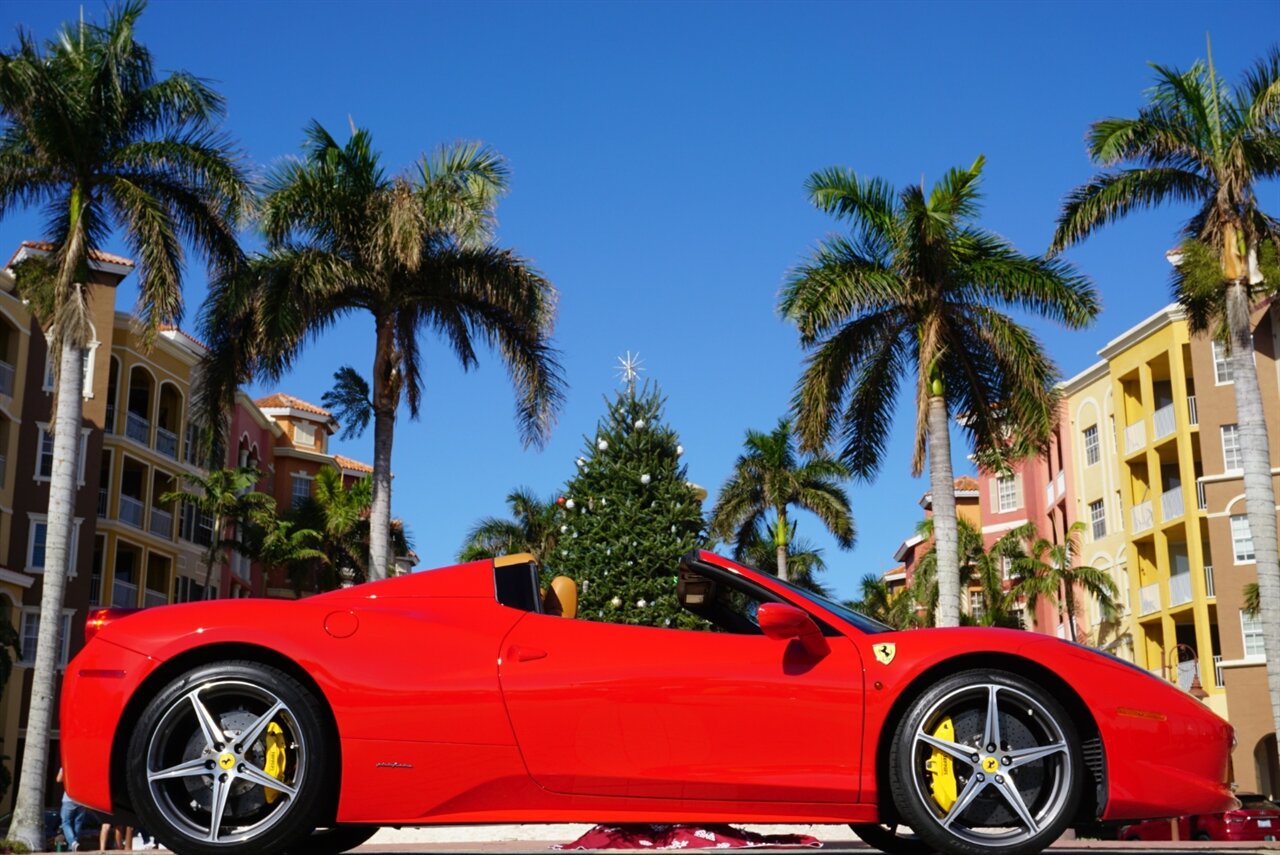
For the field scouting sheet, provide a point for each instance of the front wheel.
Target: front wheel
(891, 839)
(986, 762)
(230, 757)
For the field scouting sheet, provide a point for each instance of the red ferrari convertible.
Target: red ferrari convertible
(466, 695)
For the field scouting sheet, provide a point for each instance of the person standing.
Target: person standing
(73, 814)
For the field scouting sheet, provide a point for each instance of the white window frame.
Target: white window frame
(1232, 452)
(294, 498)
(42, 431)
(1251, 630)
(304, 434)
(1222, 365)
(43, 519)
(90, 360)
(1098, 516)
(1092, 445)
(31, 614)
(1000, 483)
(1238, 539)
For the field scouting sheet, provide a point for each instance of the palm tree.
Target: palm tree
(915, 290)
(985, 567)
(771, 476)
(340, 513)
(228, 497)
(1199, 141)
(94, 139)
(412, 252)
(281, 544)
(804, 560)
(1051, 571)
(877, 600)
(534, 528)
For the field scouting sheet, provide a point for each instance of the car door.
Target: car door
(610, 709)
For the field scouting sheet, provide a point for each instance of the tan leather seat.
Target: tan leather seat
(561, 597)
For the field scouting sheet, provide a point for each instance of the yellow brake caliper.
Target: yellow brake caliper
(941, 768)
(276, 760)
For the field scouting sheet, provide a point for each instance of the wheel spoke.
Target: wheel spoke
(960, 752)
(1023, 756)
(262, 779)
(213, 736)
(218, 805)
(991, 730)
(1014, 798)
(250, 734)
(970, 792)
(189, 769)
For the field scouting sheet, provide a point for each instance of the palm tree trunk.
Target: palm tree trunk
(780, 541)
(1259, 494)
(1069, 597)
(28, 813)
(211, 557)
(385, 398)
(945, 534)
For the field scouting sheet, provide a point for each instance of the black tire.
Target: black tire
(186, 762)
(1015, 794)
(891, 839)
(335, 840)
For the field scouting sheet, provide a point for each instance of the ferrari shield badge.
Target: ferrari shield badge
(885, 652)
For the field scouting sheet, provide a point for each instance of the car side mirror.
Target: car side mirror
(784, 622)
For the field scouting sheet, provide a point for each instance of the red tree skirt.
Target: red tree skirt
(646, 836)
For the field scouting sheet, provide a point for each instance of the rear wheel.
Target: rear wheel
(986, 762)
(891, 839)
(230, 757)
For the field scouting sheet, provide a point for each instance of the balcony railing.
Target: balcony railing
(1171, 504)
(124, 595)
(6, 379)
(161, 523)
(1217, 671)
(1164, 421)
(1149, 598)
(1202, 501)
(1179, 589)
(1208, 582)
(1048, 494)
(167, 443)
(137, 428)
(1193, 416)
(102, 502)
(95, 589)
(1135, 437)
(131, 510)
(110, 426)
(154, 598)
(1143, 518)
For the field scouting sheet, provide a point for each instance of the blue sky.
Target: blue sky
(659, 152)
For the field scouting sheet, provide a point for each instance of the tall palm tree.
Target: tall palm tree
(414, 253)
(229, 498)
(804, 560)
(340, 513)
(1050, 571)
(978, 565)
(1199, 141)
(533, 528)
(771, 476)
(916, 289)
(877, 600)
(92, 137)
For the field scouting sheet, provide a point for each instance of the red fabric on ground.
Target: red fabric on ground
(646, 836)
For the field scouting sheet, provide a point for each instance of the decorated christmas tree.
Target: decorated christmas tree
(630, 514)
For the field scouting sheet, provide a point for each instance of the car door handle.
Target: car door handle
(525, 654)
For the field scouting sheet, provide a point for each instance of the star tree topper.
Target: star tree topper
(629, 368)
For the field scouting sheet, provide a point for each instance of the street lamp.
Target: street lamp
(1195, 690)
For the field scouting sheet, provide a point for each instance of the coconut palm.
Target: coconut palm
(877, 600)
(340, 513)
(94, 139)
(771, 476)
(414, 253)
(229, 498)
(282, 544)
(1201, 142)
(804, 560)
(915, 293)
(1050, 571)
(978, 565)
(534, 528)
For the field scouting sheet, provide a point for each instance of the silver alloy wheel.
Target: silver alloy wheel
(1012, 764)
(206, 757)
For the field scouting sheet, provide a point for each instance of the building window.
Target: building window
(1222, 370)
(304, 435)
(1092, 453)
(187, 590)
(1251, 630)
(1242, 539)
(44, 465)
(38, 543)
(31, 633)
(1007, 493)
(1232, 454)
(86, 364)
(1098, 518)
(975, 604)
(301, 490)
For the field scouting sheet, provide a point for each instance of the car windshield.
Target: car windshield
(858, 619)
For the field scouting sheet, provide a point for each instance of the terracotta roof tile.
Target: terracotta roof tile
(95, 254)
(964, 482)
(173, 329)
(281, 400)
(352, 464)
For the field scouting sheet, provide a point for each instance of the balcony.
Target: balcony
(1208, 583)
(1143, 517)
(1202, 501)
(1164, 421)
(1217, 671)
(137, 428)
(161, 524)
(1135, 437)
(102, 503)
(1193, 416)
(167, 443)
(110, 426)
(6, 379)
(1149, 598)
(1179, 589)
(1048, 494)
(154, 598)
(131, 511)
(124, 595)
(1171, 504)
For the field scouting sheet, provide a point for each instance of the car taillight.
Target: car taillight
(99, 618)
